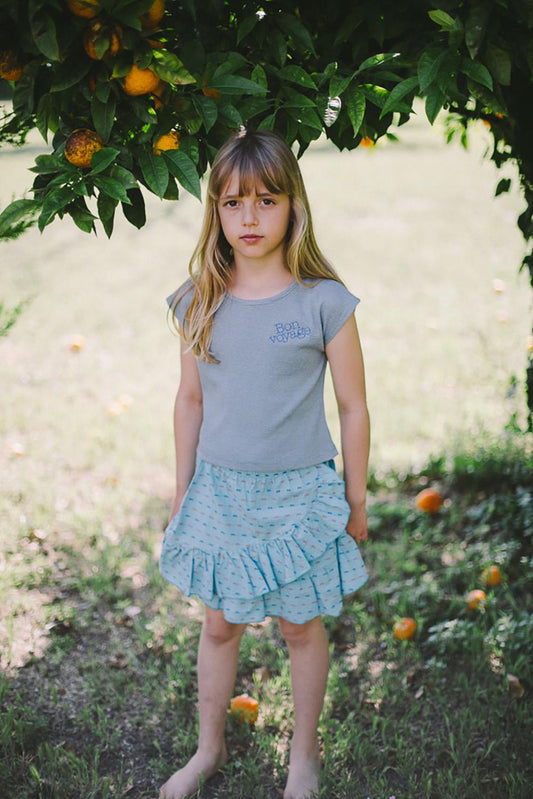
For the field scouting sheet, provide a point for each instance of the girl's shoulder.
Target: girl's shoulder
(333, 304)
(329, 290)
(179, 300)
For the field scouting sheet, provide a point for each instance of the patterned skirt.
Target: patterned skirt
(258, 544)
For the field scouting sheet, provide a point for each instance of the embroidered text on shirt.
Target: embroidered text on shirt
(288, 330)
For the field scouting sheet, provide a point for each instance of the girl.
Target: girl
(261, 524)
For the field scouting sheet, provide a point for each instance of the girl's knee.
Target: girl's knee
(299, 634)
(218, 629)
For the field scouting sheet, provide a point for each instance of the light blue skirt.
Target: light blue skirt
(258, 544)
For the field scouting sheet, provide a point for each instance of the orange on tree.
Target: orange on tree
(492, 575)
(474, 598)
(154, 15)
(11, 66)
(158, 94)
(168, 141)
(81, 145)
(84, 8)
(111, 34)
(404, 628)
(244, 709)
(140, 81)
(429, 500)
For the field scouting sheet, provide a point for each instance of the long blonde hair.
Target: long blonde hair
(257, 156)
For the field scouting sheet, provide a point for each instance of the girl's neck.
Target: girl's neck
(257, 282)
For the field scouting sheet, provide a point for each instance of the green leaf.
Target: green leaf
(434, 101)
(68, 73)
(121, 64)
(54, 202)
(15, 212)
(503, 186)
(268, 123)
(291, 24)
(259, 76)
(207, 109)
(375, 61)
(155, 172)
(488, 99)
(499, 63)
(476, 25)
(135, 212)
(189, 146)
(401, 90)
(428, 66)
(246, 27)
(338, 84)
(297, 100)
(170, 69)
(112, 187)
(103, 90)
(82, 216)
(443, 19)
(355, 102)
(47, 117)
(103, 115)
(376, 94)
(306, 117)
(102, 159)
(172, 192)
(47, 165)
(295, 74)
(230, 115)
(235, 84)
(106, 211)
(124, 176)
(477, 72)
(181, 166)
(43, 30)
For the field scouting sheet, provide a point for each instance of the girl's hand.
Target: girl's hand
(357, 526)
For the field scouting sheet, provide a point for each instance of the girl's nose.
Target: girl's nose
(249, 216)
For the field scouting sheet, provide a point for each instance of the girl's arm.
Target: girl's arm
(347, 370)
(188, 415)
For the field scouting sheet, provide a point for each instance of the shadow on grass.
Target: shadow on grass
(107, 707)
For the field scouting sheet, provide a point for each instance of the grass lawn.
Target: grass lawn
(97, 691)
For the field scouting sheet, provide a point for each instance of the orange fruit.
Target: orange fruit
(404, 628)
(429, 500)
(474, 598)
(492, 575)
(158, 94)
(81, 146)
(140, 81)
(168, 141)
(154, 14)
(84, 8)
(96, 31)
(244, 709)
(11, 66)
(366, 141)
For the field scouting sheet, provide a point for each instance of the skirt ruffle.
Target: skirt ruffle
(257, 544)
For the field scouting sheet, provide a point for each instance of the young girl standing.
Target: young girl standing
(261, 524)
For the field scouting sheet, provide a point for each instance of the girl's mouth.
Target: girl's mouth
(251, 238)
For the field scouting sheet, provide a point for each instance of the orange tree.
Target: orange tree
(139, 94)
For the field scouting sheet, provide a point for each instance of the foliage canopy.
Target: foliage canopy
(350, 71)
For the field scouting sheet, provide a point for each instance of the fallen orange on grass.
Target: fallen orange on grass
(81, 145)
(429, 500)
(474, 598)
(404, 628)
(244, 709)
(492, 575)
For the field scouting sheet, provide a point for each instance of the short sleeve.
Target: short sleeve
(179, 300)
(336, 307)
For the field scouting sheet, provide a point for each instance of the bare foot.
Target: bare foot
(186, 781)
(303, 778)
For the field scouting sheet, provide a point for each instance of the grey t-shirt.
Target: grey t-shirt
(264, 401)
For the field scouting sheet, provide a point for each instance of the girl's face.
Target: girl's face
(255, 224)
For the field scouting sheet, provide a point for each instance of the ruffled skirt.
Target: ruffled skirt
(257, 544)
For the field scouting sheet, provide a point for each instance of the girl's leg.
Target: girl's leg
(217, 667)
(309, 657)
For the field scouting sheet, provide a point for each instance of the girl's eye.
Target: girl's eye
(267, 201)
(230, 204)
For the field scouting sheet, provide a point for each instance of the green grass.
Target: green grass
(98, 693)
